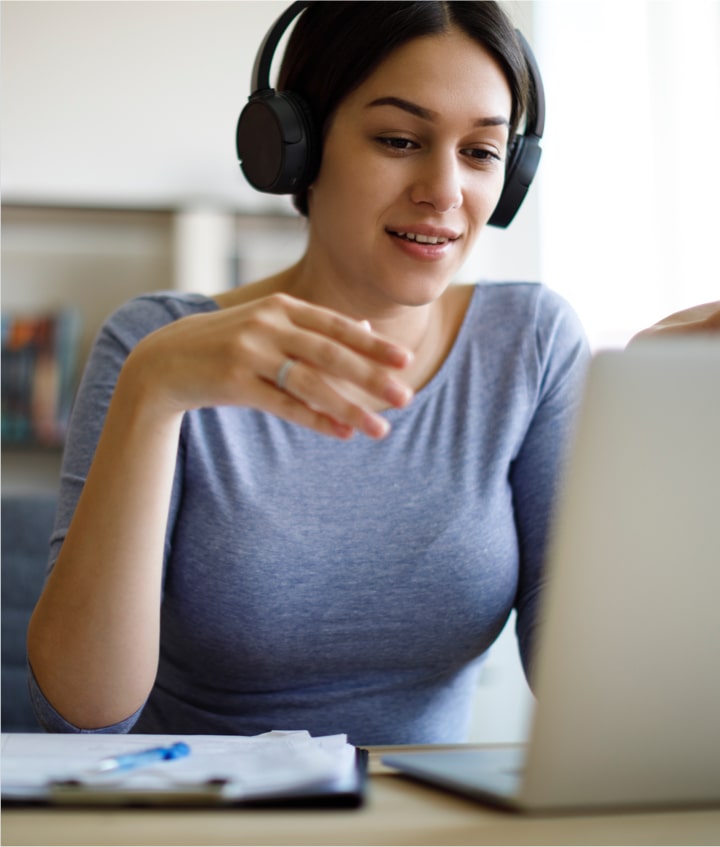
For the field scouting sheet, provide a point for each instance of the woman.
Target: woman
(312, 502)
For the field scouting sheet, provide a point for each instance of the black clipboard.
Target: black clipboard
(347, 792)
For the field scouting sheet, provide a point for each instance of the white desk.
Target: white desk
(397, 811)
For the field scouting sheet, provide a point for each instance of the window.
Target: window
(627, 193)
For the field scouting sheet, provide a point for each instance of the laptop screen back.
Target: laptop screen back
(628, 670)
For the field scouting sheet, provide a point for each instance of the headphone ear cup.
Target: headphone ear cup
(523, 161)
(276, 143)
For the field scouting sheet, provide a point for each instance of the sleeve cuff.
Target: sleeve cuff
(52, 721)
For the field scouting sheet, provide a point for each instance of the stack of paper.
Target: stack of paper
(222, 769)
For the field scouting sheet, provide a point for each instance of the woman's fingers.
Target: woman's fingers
(301, 362)
(346, 350)
(323, 358)
(284, 405)
(308, 386)
(356, 335)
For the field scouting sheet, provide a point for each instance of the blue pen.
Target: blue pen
(130, 761)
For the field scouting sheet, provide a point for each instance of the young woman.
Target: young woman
(312, 502)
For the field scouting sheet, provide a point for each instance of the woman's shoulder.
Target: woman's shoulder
(519, 299)
(522, 308)
(147, 312)
(170, 304)
(525, 322)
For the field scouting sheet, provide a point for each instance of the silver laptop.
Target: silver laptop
(627, 677)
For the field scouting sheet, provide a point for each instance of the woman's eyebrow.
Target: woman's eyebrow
(429, 115)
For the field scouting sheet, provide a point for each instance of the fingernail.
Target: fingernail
(400, 356)
(376, 427)
(398, 394)
(366, 325)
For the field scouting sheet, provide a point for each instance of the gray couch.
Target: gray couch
(27, 521)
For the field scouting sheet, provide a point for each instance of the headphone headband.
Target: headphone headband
(279, 147)
(535, 122)
(260, 79)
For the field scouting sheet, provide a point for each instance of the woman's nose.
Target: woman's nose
(438, 183)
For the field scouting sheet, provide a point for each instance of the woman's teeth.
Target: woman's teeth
(422, 239)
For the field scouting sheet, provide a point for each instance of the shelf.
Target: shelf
(93, 259)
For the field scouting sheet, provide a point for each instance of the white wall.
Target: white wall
(127, 103)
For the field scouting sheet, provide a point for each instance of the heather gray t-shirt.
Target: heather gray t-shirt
(350, 587)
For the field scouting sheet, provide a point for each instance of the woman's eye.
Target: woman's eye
(482, 155)
(397, 142)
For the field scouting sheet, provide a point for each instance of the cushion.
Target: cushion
(27, 522)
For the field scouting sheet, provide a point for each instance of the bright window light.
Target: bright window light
(630, 178)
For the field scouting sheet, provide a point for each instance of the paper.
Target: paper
(233, 767)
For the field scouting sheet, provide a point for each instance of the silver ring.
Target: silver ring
(283, 373)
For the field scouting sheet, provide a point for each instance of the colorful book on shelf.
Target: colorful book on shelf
(39, 368)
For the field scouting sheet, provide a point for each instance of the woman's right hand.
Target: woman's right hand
(340, 370)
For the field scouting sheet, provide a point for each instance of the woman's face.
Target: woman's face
(413, 166)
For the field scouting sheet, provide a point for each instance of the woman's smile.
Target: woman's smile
(426, 245)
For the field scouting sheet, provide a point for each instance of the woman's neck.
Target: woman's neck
(409, 326)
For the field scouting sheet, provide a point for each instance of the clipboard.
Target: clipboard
(339, 788)
(345, 792)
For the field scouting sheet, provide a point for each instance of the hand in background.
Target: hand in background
(696, 320)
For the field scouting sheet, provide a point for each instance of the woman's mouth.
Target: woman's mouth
(420, 238)
(423, 246)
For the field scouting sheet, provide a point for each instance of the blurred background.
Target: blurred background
(119, 176)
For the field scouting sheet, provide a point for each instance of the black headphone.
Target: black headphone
(279, 149)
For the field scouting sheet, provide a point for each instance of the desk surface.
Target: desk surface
(397, 811)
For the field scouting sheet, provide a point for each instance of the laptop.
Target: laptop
(627, 675)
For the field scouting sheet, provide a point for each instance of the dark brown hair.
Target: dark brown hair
(335, 46)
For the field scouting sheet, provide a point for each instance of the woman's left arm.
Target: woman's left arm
(557, 363)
